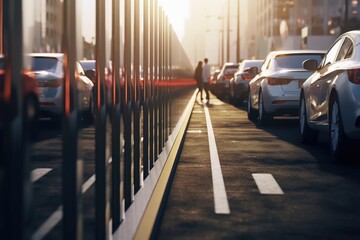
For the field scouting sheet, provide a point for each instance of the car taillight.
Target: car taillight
(278, 81)
(354, 75)
(227, 78)
(246, 76)
(54, 83)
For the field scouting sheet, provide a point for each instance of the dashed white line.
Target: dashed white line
(220, 196)
(56, 216)
(267, 184)
(37, 173)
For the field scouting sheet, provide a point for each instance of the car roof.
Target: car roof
(302, 51)
(53, 55)
(354, 34)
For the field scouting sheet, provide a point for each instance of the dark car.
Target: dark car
(239, 84)
(223, 80)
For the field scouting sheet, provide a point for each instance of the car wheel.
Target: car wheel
(264, 117)
(307, 135)
(340, 145)
(31, 116)
(90, 113)
(250, 111)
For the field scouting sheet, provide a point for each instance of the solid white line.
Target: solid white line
(267, 184)
(220, 197)
(37, 173)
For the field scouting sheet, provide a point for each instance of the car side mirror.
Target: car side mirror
(310, 64)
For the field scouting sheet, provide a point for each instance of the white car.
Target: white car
(275, 90)
(49, 75)
(330, 98)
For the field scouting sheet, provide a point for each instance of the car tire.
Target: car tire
(31, 116)
(264, 117)
(340, 146)
(90, 113)
(252, 114)
(307, 134)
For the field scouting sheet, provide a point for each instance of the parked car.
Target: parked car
(330, 97)
(223, 79)
(89, 67)
(239, 84)
(213, 80)
(275, 90)
(30, 95)
(49, 74)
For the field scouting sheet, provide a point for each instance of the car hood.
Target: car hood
(46, 75)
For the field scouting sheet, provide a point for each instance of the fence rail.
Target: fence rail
(137, 120)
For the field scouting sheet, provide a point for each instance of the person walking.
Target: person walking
(198, 78)
(206, 78)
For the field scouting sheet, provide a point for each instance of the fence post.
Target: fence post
(102, 138)
(15, 184)
(72, 171)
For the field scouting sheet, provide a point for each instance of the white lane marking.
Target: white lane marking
(49, 224)
(37, 173)
(194, 131)
(56, 216)
(220, 197)
(267, 184)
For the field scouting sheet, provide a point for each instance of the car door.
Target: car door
(319, 84)
(255, 83)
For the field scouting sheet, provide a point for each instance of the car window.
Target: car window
(265, 65)
(295, 60)
(79, 69)
(44, 64)
(230, 70)
(330, 56)
(345, 50)
(88, 65)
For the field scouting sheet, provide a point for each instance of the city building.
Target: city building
(295, 24)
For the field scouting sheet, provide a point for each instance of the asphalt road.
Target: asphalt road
(275, 187)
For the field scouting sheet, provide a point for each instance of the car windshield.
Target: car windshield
(88, 65)
(44, 64)
(230, 70)
(295, 61)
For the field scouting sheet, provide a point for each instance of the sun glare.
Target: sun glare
(178, 12)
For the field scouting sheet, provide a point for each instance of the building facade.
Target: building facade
(281, 23)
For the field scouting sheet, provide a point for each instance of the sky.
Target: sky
(176, 10)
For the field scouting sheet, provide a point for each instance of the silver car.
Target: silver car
(275, 90)
(330, 98)
(239, 84)
(49, 75)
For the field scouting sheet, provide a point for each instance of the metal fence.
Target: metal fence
(135, 116)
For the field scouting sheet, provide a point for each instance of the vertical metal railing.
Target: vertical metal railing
(102, 145)
(72, 172)
(140, 110)
(151, 83)
(129, 166)
(15, 186)
(117, 168)
(136, 99)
